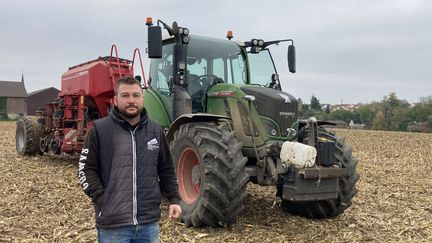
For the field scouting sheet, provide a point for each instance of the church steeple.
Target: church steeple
(22, 81)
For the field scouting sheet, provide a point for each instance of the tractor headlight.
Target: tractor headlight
(271, 128)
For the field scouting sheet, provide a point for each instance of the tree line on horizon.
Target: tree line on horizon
(391, 113)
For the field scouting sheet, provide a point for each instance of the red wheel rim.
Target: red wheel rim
(189, 176)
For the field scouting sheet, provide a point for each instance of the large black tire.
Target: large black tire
(211, 173)
(347, 186)
(27, 135)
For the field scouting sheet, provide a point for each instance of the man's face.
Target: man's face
(129, 100)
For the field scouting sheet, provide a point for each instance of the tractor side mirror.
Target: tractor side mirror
(154, 42)
(291, 59)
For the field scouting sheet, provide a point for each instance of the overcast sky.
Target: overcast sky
(347, 51)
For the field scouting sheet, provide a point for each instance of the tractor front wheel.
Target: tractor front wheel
(211, 173)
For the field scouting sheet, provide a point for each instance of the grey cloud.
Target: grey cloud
(355, 50)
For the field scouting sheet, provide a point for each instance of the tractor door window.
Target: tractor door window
(161, 71)
(237, 69)
(197, 70)
(197, 73)
(219, 68)
(198, 66)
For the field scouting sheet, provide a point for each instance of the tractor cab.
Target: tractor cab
(209, 62)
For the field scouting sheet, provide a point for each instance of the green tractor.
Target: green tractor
(229, 123)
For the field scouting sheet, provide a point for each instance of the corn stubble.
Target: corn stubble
(40, 199)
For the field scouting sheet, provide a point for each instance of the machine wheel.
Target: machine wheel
(27, 135)
(347, 186)
(211, 173)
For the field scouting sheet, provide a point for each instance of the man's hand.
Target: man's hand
(174, 211)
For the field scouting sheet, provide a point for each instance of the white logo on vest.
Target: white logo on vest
(152, 144)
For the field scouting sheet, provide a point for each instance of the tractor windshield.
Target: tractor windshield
(210, 59)
(261, 67)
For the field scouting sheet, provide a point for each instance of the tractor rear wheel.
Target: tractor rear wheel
(347, 186)
(211, 173)
(27, 135)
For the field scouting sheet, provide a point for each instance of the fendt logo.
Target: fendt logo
(287, 114)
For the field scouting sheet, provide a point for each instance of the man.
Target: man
(125, 166)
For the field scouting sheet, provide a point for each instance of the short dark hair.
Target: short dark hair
(125, 80)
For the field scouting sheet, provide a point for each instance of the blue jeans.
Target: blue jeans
(133, 233)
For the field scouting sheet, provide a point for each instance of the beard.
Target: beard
(129, 115)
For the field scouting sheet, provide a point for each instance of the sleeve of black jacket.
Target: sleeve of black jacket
(89, 168)
(166, 172)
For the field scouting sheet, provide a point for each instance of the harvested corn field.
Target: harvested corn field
(40, 199)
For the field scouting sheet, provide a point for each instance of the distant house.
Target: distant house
(39, 98)
(13, 98)
(345, 107)
(353, 125)
(419, 127)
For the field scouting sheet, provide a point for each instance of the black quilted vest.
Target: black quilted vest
(128, 163)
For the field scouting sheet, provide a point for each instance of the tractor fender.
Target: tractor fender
(186, 118)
